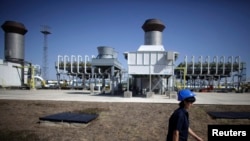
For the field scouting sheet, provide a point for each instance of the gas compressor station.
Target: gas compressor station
(151, 69)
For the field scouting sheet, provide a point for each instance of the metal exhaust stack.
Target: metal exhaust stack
(153, 32)
(14, 44)
(14, 41)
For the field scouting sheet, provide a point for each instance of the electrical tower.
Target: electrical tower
(45, 31)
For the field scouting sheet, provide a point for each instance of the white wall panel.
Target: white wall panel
(159, 65)
(146, 58)
(139, 59)
(156, 70)
(10, 76)
(161, 69)
(153, 58)
(138, 69)
(161, 59)
(131, 58)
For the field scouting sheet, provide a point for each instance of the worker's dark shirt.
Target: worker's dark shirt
(179, 120)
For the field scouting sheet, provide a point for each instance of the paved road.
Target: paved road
(80, 95)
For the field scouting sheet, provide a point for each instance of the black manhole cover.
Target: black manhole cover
(70, 117)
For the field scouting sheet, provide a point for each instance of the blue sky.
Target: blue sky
(193, 27)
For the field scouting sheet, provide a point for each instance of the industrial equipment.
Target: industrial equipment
(151, 67)
(12, 68)
(15, 71)
(217, 74)
(101, 72)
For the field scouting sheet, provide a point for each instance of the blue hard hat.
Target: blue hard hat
(185, 93)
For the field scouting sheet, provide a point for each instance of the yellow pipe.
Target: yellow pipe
(184, 74)
(31, 81)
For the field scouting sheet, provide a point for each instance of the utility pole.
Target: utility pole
(45, 31)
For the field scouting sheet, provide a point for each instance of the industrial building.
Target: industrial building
(151, 69)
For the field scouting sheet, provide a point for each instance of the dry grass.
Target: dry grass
(19, 120)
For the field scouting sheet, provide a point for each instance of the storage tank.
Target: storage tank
(153, 32)
(14, 41)
(105, 52)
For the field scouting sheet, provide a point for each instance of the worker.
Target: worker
(178, 128)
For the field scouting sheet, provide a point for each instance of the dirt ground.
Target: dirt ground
(19, 120)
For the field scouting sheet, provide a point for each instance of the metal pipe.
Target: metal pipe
(223, 66)
(127, 82)
(79, 58)
(230, 60)
(200, 60)
(112, 80)
(85, 63)
(65, 60)
(99, 71)
(207, 61)
(171, 85)
(92, 69)
(192, 64)
(37, 67)
(215, 60)
(150, 81)
(73, 58)
(237, 60)
(58, 62)
(185, 61)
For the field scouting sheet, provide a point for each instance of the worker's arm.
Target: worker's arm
(176, 135)
(192, 133)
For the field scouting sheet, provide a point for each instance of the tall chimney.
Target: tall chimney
(153, 32)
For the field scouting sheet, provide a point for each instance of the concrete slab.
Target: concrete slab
(150, 94)
(127, 94)
(80, 95)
